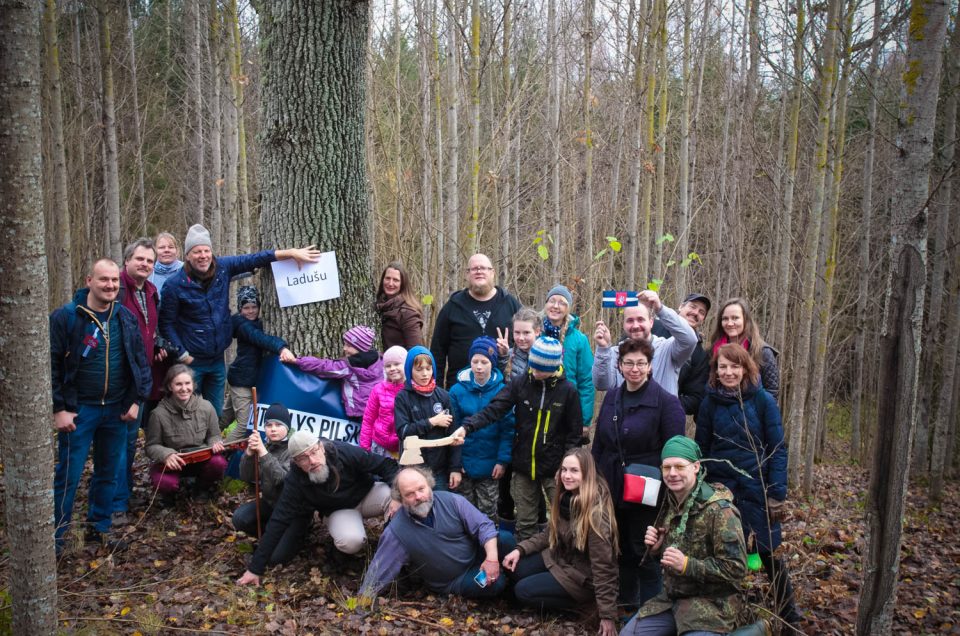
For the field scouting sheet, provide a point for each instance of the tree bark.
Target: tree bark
(473, 231)
(111, 168)
(553, 133)
(215, 110)
(25, 440)
(900, 345)
(59, 254)
(195, 181)
(801, 376)
(866, 214)
(452, 217)
(313, 160)
(139, 189)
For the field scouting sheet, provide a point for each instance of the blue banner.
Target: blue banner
(314, 404)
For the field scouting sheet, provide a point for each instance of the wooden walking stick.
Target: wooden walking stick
(256, 461)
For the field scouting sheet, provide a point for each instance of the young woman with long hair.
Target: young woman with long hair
(401, 317)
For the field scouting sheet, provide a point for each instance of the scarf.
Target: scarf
(550, 329)
(722, 340)
(425, 390)
(165, 270)
(685, 508)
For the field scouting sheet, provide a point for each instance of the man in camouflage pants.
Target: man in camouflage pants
(702, 551)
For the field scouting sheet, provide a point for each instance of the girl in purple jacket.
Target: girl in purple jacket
(378, 433)
(360, 369)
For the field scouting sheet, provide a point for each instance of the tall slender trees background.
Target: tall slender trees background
(733, 147)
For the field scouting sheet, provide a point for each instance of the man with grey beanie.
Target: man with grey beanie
(195, 306)
(334, 479)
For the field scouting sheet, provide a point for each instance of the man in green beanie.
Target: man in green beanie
(701, 549)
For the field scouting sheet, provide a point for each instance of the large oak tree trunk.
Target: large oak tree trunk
(25, 399)
(900, 344)
(313, 170)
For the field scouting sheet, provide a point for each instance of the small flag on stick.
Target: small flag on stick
(613, 298)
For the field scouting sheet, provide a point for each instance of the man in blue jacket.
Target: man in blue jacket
(195, 306)
(100, 376)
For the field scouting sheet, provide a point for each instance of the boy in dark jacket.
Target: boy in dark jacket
(423, 409)
(252, 342)
(548, 423)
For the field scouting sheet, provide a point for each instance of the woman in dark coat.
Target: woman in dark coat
(636, 420)
(739, 422)
(401, 318)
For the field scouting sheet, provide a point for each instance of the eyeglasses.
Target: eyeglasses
(479, 270)
(303, 459)
(670, 468)
(557, 302)
(634, 364)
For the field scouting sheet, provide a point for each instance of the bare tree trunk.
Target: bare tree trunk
(86, 198)
(683, 184)
(553, 128)
(638, 154)
(453, 154)
(866, 215)
(818, 397)
(215, 108)
(140, 190)
(424, 47)
(784, 269)
(649, 118)
(315, 179)
(111, 169)
(903, 317)
(25, 440)
(801, 378)
(584, 241)
(194, 204)
(238, 79)
(504, 180)
(947, 210)
(661, 144)
(473, 232)
(60, 254)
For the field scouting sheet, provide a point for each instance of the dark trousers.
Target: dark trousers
(536, 587)
(467, 587)
(245, 520)
(782, 588)
(638, 583)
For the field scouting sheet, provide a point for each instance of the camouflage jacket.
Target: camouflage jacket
(706, 596)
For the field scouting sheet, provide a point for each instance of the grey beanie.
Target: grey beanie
(561, 290)
(197, 235)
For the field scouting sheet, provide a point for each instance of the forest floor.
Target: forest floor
(178, 576)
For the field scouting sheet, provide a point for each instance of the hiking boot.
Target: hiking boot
(119, 518)
(114, 544)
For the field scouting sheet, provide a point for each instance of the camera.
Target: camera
(162, 343)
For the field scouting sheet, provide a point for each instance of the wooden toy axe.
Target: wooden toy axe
(412, 445)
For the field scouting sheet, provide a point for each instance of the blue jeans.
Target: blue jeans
(467, 587)
(210, 380)
(102, 427)
(536, 587)
(124, 490)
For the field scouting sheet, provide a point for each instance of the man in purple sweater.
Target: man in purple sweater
(450, 544)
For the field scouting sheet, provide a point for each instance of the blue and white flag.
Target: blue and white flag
(613, 298)
(314, 404)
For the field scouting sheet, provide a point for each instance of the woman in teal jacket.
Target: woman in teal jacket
(560, 323)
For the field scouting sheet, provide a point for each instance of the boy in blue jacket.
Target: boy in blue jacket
(252, 342)
(485, 454)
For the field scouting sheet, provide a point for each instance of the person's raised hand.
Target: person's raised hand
(653, 537)
(651, 299)
(674, 559)
(601, 335)
(503, 341)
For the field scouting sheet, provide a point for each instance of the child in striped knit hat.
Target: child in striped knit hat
(548, 423)
(360, 369)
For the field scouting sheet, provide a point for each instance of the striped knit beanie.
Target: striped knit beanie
(546, 355)
(359, 337)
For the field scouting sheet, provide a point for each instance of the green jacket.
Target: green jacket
(706, 596)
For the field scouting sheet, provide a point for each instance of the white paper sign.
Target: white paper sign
(315, 282)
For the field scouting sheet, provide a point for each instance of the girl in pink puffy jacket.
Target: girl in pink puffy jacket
(360, 369)
(378, 434)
